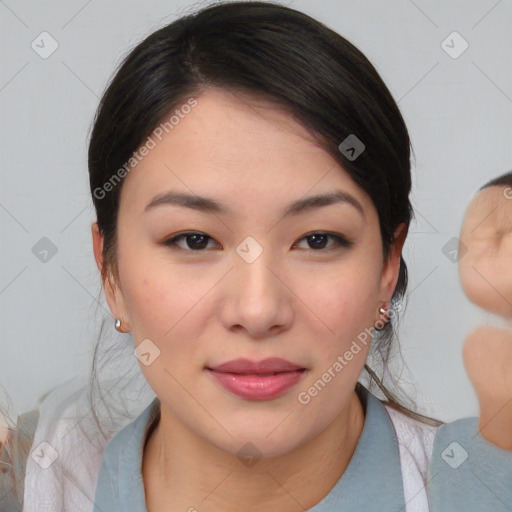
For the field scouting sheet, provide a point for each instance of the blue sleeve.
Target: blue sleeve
(467, 472)
(106, 498)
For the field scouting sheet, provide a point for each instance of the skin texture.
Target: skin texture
(204, 308)
(486, 278)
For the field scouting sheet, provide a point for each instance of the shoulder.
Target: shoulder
(63, 430)
(414, 437)
(119, 484)
(66, 433)
(126, 445)
(17, 454)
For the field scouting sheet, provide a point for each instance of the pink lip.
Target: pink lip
(261, 380)
(269, 365)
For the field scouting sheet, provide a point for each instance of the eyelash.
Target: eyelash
(340, 240)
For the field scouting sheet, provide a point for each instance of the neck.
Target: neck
(184, 472)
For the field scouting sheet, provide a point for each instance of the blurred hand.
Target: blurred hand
(485, 270)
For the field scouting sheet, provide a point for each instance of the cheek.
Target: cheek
(170, 314)
(357, 288)
(157, 294)
(162, 306)
(343, 299)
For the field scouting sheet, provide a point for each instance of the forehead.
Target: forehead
(233, 147)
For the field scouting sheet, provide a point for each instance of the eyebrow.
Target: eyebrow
(209, 205)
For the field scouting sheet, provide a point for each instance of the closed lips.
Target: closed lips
(268, 366)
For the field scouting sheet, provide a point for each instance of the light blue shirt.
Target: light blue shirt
(372, 482)
(466, 473)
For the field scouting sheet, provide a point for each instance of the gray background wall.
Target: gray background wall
(458, 109)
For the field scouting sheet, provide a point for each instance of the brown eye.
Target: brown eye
(318, 241)
(194, 241)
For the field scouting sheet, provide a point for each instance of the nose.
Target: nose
(258, 298)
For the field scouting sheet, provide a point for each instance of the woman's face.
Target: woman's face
(256, 284)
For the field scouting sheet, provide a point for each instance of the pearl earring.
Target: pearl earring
(382, 311)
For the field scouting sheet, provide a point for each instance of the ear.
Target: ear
(113, 293)
(391, 267)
